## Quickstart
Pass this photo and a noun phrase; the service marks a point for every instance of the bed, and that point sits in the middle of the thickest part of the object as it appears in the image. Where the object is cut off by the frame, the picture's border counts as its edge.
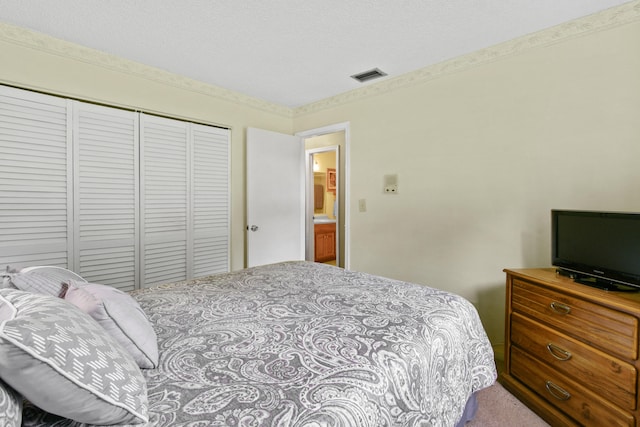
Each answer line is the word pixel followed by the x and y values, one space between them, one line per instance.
pixel 306 344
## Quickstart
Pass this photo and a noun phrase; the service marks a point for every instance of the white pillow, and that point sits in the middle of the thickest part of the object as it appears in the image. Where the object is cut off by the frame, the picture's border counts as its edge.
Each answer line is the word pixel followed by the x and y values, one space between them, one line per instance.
pixel 10 407
pixel 62 361
pixel 120 315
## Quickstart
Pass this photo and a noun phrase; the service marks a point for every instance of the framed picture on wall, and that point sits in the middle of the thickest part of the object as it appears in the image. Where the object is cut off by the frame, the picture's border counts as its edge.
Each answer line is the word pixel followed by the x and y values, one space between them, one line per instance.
pixel 331 180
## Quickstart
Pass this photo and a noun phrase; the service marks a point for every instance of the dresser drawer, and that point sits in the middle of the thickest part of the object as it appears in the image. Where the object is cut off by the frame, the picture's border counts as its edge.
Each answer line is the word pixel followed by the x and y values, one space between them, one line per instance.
pixel 569 356
pixel 610 330
pixel 586 407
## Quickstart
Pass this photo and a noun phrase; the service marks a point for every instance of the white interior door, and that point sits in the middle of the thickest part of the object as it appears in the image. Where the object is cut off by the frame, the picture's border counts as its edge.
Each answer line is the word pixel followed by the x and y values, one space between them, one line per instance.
pixel 275 197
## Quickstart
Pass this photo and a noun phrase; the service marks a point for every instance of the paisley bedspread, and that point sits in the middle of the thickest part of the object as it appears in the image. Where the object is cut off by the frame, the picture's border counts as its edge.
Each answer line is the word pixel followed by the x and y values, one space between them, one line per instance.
pixel 306 344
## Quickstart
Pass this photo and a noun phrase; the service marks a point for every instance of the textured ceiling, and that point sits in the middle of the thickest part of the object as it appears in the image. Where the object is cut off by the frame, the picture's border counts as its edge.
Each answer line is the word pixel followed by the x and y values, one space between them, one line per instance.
pixel 291 52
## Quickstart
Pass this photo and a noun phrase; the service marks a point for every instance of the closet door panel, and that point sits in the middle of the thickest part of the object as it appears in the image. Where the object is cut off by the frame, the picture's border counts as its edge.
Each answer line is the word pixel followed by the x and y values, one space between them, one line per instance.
pixel 122 198
pixel 35 191
pixel 106 202
pixel 165 200
pixel 211 223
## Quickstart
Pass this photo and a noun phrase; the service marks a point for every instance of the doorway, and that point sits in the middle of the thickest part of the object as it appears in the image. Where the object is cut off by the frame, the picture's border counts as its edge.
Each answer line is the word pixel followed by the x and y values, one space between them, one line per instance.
pixel 322 242
pixel 292 227
pixel 320 142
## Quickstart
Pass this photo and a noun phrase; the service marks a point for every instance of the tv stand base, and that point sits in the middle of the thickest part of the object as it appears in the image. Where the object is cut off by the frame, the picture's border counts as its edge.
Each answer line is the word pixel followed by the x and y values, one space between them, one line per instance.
pixel 595 282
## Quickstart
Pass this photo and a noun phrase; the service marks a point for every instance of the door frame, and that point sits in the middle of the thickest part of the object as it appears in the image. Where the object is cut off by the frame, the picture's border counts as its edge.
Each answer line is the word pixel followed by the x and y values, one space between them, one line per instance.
pixel 343 225
pixel 310 247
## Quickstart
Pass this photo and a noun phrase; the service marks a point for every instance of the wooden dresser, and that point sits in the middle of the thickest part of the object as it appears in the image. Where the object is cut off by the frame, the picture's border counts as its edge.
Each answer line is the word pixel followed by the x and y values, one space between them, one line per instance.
pixel 571 351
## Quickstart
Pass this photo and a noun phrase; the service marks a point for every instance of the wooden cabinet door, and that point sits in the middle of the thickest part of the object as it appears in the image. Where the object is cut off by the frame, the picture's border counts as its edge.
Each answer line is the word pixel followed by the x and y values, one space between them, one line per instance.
pixel 325 242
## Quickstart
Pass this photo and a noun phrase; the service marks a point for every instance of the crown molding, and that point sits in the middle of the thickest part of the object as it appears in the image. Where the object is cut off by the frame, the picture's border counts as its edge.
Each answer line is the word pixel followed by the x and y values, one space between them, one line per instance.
pixel 35 40
pixel 616 16
pixel 612 17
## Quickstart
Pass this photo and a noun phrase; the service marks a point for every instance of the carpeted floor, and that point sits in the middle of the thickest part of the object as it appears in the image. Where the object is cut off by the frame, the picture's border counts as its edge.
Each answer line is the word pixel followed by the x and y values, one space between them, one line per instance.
pixel 499 408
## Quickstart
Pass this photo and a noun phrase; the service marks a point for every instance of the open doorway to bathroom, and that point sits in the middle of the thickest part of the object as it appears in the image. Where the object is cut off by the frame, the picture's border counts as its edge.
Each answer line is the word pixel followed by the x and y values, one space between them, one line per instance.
pixel 325 241
pixel 325 199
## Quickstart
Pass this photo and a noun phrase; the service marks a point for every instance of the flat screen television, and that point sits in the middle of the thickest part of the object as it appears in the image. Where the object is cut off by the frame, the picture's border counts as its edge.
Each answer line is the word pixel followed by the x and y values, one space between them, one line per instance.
pixel 600 249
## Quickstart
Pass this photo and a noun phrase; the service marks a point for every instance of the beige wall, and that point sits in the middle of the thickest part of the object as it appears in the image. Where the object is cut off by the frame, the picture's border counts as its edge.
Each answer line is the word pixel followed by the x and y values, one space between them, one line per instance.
pixel 483 154
pixel 33 61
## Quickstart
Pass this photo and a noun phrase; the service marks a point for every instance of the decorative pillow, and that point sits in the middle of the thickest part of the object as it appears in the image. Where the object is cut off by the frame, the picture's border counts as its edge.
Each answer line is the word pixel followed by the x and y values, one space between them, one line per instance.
pixel 120 315
pixel 62 361
pixel 10 406
pixel 37 283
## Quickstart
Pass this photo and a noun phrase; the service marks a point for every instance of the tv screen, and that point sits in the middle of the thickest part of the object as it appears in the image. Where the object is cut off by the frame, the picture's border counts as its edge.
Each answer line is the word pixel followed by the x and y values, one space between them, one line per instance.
pixel 597 248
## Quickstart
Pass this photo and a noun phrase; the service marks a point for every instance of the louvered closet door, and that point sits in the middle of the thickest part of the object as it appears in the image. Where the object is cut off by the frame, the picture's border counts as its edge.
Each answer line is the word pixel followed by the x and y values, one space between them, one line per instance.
pixel 106 202
pixel 35 198
pixel 165 200
pixel 211 226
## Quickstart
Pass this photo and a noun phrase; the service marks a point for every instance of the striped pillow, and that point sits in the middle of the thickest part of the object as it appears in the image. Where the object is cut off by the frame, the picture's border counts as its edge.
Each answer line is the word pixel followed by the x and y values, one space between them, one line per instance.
pixel 37 283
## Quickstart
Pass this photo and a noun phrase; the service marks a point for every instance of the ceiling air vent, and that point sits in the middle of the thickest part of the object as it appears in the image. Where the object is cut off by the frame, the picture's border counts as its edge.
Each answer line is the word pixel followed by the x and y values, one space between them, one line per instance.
pixel 369 75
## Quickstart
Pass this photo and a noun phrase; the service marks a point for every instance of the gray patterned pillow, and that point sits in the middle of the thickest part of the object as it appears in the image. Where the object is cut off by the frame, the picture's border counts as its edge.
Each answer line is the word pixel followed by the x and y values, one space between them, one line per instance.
pixel 120 315
pixel 10 407
pixel 62 361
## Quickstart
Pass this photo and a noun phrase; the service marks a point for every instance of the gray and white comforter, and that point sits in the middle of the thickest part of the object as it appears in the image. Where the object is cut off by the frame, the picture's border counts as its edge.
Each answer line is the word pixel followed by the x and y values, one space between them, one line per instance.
pixel 305 344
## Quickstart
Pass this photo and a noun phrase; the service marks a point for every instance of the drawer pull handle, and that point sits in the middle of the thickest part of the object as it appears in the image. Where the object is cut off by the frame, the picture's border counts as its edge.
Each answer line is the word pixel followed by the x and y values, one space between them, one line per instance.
pixel 560 308
pixel 557 391
pixel 558 352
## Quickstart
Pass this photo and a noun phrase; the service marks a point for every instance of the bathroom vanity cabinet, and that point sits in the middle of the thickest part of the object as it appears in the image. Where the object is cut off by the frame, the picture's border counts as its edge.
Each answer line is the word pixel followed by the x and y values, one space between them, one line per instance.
pixel 325 242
